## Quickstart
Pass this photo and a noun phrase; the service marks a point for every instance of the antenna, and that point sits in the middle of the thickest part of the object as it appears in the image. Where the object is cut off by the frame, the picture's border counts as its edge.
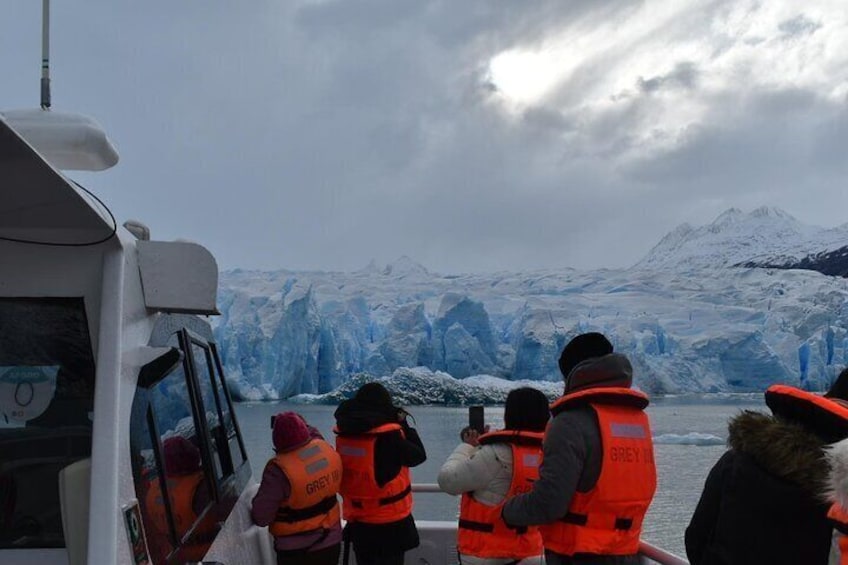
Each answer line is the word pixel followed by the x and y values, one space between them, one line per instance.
pixel 45 55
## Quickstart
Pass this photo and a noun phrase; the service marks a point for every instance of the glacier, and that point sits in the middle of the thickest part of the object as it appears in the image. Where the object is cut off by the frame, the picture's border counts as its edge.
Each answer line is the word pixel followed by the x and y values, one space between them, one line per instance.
pixel 688 318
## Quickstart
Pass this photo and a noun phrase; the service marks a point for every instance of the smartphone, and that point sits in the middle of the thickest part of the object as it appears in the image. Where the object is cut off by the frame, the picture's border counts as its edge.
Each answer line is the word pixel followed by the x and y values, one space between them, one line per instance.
pixel 475 418
pixel 272 421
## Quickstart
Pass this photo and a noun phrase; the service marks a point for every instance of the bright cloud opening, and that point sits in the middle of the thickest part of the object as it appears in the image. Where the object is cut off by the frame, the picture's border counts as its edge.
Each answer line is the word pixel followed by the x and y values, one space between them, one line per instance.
pixel 525 77
pixel 658 69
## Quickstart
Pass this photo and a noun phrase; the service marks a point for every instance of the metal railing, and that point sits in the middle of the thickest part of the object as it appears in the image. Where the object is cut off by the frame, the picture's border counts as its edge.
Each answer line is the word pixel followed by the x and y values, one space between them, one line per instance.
pixel 647 551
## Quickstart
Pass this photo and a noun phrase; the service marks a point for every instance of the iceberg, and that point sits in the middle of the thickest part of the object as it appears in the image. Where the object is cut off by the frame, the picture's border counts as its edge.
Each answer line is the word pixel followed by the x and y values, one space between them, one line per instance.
pixel 691 438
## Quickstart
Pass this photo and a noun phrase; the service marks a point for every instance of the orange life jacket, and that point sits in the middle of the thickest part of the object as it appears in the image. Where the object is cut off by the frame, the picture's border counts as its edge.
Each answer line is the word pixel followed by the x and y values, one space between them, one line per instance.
pixel 181 490
pixel 363 500
pixel 823 416
pixel 839 517
pixel 607 520
pixel 482 532
pixel 315 474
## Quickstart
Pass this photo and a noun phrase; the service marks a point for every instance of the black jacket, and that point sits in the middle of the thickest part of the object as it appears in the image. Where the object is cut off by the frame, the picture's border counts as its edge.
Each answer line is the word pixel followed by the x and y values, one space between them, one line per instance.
pixel 761 501
pixel 391 452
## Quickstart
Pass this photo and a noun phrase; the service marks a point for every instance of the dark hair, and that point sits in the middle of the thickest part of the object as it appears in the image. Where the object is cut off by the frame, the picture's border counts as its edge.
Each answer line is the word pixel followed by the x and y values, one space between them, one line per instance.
pixel 526 409
pixel 839 388
pixel 375 395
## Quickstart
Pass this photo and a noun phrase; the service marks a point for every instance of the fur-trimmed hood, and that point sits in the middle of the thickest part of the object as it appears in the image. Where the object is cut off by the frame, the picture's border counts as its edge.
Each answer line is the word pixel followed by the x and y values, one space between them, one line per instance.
pixel 784 449
pixel 837 483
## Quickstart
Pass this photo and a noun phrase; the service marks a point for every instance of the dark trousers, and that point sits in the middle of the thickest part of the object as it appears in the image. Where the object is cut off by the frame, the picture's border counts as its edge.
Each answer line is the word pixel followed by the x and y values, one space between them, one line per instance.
pixel 378 559
pixel 553 558
pixel 326 556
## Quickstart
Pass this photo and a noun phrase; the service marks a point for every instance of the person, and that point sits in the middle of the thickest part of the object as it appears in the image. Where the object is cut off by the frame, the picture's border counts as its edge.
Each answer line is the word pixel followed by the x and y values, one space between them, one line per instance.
pixel 762 500
pixel 839 389
pixel 836 496
pixel 487 469
pixel 836 493
pixel 188 497
pixel 377 447
pixel 598 476
pixel 297 495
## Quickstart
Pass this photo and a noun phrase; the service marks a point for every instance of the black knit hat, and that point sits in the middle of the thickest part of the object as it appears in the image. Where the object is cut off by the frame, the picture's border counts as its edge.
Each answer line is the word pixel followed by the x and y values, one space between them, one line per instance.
pixel 839 389
pixel 583 347
pixel 375 395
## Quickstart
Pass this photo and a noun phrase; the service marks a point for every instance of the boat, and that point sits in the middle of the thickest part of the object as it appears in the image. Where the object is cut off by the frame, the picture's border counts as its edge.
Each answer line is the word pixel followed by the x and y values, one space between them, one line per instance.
pixel 107 359
pixel 118 436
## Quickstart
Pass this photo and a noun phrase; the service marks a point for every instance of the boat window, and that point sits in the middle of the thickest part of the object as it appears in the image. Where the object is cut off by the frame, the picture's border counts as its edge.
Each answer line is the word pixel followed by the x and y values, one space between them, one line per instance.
pixel 237 452
pixel 218 447
pixel 175 493
pixel 186 485
pixel 186 448
pixel 46 402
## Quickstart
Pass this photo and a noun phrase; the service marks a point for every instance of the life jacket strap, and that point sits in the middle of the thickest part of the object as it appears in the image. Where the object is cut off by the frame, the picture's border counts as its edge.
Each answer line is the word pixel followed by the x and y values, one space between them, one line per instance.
pixel 396 497
pixel 476 526
pixel 487 528
pixel 583 519
pixel 291 515
pixel 386 500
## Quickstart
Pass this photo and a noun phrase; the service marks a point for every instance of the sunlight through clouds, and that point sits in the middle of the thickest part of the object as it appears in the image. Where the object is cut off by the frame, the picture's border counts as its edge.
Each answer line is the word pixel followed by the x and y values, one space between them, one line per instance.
pixel 660 71
pixel 525 77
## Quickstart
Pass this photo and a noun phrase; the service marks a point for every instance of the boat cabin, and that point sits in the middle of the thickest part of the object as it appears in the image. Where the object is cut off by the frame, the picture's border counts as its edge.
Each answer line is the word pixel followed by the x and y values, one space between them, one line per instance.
pixel 113 404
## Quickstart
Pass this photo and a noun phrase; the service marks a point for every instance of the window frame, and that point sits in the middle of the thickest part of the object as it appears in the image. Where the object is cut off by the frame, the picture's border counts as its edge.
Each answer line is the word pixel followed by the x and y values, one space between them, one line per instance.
pixel 235 475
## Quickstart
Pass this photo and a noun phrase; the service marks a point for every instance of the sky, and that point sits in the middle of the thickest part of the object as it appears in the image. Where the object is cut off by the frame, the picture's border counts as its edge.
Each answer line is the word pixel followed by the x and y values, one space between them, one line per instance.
pixel 470 136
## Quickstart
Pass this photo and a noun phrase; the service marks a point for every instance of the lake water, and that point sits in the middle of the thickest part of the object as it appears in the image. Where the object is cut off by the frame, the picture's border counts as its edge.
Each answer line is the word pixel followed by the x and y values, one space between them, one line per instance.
pixel 682 469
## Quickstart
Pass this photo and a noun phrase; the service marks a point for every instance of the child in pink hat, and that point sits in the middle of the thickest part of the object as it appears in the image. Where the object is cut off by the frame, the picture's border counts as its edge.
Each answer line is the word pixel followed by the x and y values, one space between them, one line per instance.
pixel 298 446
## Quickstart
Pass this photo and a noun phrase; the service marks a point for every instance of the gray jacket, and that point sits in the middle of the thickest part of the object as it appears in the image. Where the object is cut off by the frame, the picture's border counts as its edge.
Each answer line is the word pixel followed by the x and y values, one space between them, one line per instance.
pixel 572 463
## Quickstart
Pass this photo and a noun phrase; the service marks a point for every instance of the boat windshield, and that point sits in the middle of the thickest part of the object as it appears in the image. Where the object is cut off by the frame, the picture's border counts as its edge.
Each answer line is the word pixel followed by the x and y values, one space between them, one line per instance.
pixel 46 403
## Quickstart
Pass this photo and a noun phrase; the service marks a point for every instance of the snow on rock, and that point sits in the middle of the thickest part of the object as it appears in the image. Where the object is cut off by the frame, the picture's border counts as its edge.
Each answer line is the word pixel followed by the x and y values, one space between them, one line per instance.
pixel 420 385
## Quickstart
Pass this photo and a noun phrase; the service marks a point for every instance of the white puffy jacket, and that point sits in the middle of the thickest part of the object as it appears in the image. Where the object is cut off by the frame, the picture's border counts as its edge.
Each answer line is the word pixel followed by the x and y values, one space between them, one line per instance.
pixel 837 488
pixel 485 472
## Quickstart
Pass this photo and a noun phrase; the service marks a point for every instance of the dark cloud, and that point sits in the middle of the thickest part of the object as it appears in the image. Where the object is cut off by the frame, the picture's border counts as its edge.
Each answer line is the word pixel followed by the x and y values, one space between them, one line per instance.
pixel 321 134
pixel 684 75
pixel 799 25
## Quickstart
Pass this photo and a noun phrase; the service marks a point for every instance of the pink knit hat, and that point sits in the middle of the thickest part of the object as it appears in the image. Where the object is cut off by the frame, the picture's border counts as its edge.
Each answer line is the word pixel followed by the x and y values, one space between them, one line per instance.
pixel 181 456
pixel 290 431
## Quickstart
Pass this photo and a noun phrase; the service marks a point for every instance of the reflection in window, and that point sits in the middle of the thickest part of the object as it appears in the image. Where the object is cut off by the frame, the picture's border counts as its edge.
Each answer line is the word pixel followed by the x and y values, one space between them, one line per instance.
pixel 210 405
pixel 236 451
pixel 46 399
pixel 187 490
pixel 184 441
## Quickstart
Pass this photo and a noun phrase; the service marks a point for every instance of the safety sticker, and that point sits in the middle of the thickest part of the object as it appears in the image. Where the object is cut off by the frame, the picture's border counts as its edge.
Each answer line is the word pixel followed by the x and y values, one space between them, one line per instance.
pixel 135 533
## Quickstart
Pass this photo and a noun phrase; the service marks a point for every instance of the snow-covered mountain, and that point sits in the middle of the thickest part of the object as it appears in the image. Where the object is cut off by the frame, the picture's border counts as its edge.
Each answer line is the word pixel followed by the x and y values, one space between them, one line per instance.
pixel 766 237
pixel 686 317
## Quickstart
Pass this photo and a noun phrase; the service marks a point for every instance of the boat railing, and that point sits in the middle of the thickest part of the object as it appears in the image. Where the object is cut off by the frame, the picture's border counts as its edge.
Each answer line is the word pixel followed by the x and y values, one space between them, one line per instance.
pixel 650 554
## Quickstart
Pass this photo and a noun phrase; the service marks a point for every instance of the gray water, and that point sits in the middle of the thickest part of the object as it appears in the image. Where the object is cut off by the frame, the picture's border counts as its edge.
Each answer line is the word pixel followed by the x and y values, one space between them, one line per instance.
pixel 681 469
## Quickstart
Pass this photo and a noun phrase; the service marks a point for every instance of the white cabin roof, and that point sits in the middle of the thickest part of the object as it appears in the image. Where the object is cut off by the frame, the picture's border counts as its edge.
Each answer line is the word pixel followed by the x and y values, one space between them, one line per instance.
pixel 38 203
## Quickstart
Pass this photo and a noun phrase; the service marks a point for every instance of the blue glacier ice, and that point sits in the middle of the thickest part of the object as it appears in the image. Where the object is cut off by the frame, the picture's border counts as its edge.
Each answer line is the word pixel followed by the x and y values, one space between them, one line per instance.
pixel 702 326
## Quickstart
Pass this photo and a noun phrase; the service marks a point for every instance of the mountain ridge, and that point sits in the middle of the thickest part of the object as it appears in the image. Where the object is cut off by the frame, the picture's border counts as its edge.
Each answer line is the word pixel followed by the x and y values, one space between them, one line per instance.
pixel 765 237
